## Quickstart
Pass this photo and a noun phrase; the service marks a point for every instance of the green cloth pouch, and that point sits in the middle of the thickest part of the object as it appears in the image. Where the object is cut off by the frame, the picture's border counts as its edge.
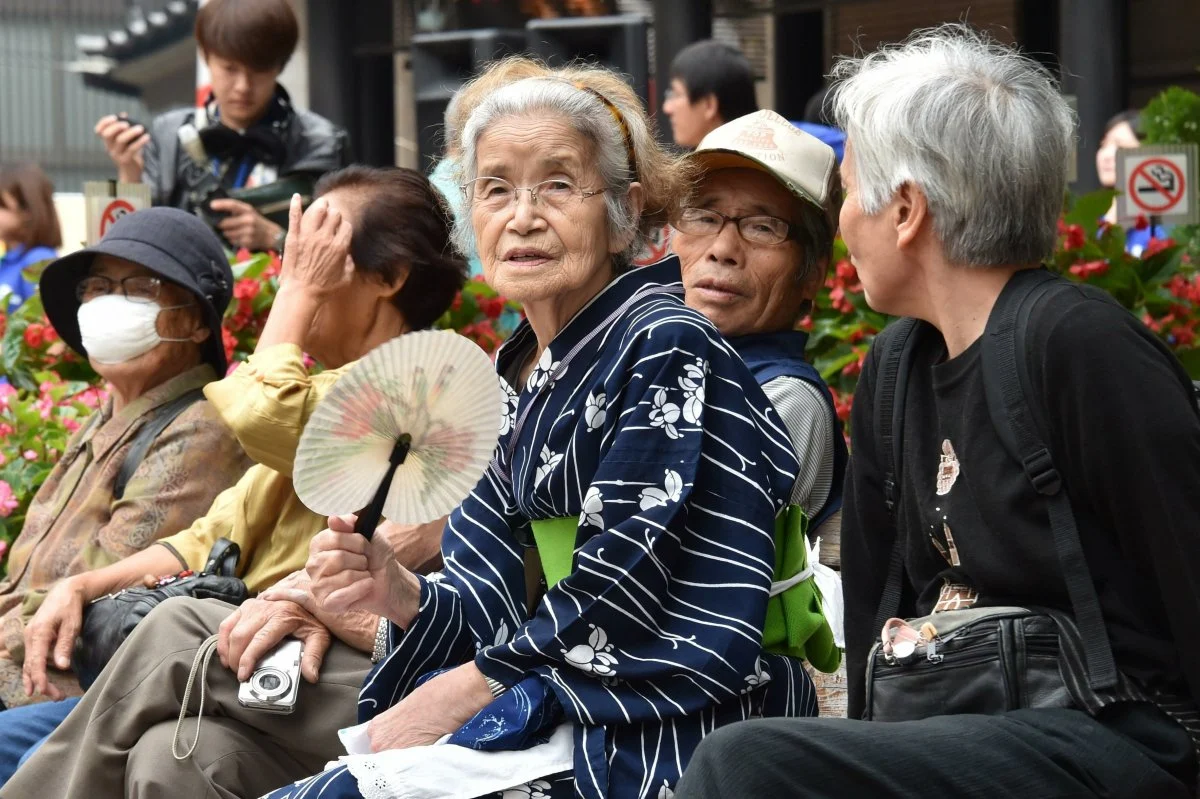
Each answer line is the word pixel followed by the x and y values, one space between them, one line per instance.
pixel 795 625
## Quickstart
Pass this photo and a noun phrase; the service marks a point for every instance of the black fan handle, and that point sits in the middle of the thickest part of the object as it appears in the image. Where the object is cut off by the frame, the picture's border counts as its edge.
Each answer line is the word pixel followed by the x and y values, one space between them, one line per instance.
pixel 368 519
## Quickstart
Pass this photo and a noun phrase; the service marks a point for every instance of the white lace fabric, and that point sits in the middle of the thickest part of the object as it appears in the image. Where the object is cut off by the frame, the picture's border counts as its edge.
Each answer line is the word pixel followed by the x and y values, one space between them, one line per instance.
pixel 446 771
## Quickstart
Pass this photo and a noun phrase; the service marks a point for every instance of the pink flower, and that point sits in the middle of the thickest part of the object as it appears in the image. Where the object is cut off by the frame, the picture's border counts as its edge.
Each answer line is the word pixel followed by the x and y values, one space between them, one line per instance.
pixel 29 455
pixel 91 397
pixel 3 460
pixel 8 501
pixel 69 423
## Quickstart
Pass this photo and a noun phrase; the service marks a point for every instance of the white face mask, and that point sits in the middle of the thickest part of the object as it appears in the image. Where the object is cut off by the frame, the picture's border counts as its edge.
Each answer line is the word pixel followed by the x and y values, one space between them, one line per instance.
pixel 115 329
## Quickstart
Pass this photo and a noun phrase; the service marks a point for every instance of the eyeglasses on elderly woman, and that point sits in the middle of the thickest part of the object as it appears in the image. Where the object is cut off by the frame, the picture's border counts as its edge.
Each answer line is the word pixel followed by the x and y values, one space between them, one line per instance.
pixel 138 288
pixel 496 194
pixel 758 229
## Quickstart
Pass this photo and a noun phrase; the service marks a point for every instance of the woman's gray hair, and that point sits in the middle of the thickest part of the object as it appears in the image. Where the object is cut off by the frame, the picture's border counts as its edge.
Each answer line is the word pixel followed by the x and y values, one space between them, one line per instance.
pixel 981 129
pixel 589 117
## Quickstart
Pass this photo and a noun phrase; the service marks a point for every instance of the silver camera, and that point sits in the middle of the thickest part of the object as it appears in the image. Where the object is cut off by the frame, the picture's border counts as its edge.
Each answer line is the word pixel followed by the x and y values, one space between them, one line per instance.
pixel 275 681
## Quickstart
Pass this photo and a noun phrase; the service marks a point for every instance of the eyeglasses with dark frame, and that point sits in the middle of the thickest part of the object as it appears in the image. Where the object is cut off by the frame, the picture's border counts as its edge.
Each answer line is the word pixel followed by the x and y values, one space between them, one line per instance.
pixel 138 288
pixel 758 229
pixel 496 194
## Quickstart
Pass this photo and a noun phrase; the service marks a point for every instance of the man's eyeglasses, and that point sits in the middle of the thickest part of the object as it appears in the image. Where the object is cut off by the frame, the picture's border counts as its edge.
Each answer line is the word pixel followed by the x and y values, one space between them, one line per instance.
pixel 497 194
pixel 138 288
pixel 765 230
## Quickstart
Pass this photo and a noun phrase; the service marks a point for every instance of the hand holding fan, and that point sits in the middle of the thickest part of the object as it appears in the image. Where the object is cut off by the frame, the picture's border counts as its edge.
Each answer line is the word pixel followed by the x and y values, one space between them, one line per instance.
pixel 405 433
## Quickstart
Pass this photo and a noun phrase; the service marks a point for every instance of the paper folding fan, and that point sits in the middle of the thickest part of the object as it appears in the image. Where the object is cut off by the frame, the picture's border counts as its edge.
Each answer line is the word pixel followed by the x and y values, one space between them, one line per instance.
pixel 405 433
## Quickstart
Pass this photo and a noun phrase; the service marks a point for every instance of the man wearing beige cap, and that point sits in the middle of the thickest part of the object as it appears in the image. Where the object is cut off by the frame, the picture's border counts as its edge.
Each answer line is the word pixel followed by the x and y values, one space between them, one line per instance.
pixel 754 245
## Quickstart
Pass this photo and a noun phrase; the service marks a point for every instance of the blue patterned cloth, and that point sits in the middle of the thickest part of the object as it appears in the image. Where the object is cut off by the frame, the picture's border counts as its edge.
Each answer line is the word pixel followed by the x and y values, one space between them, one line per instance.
pixel 643 422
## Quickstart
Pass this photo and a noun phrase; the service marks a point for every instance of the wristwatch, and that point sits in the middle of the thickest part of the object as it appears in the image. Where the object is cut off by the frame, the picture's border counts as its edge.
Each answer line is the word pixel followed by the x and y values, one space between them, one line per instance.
pixel 381 640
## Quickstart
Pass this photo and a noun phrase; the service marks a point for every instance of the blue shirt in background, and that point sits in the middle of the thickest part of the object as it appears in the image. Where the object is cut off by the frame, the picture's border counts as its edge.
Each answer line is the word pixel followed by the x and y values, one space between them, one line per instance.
pixel 14 288
pixel 831 136
pixel 1136 240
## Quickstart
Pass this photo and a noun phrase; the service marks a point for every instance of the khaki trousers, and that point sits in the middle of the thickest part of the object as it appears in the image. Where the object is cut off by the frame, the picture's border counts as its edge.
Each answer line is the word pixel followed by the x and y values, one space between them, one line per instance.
pixel 117 742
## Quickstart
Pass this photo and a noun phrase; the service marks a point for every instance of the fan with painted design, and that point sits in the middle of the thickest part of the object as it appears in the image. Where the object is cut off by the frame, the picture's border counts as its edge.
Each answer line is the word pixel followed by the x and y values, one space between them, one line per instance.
pixel 404 434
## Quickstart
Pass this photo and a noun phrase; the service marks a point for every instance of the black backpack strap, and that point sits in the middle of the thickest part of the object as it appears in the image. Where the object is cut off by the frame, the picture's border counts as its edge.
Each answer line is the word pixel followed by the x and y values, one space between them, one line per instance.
pixel 145 436
pixel 897 344
pixel 1008 389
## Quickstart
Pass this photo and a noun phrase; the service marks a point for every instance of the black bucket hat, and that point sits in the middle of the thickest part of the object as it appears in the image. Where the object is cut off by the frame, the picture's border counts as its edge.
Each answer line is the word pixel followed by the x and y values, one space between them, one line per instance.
pixel 171 243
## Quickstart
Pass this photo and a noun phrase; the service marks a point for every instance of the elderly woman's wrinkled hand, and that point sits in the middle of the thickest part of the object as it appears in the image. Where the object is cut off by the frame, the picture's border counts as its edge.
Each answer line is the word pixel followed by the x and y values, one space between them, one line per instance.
pixel 316 252
pixel 258 625
pixel 438 707
pixel 348 572
pixel 52 631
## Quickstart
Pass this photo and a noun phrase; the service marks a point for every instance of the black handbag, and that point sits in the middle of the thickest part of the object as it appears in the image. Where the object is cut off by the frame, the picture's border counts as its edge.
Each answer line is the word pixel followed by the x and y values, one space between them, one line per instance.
pixel 989 660
pixel 980 660
pixel 109 620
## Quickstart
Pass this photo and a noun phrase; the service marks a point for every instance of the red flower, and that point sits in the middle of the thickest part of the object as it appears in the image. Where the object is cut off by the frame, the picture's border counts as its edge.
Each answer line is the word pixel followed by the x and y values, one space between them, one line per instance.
pixel 845 270
pixel 246 289
pixel 35 335
pixel 457 303
pixel 230 342
pixel 1141 223
pixel 837 298
pixel 1156 246
pixel 492 308
pixel 1184 336
pixel 1089 269
pixel 1074 238
pixel 842 403
pixel 854 368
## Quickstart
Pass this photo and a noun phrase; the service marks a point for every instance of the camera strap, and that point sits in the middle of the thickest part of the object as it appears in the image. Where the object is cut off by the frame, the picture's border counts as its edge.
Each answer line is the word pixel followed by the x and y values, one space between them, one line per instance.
pixel 199 663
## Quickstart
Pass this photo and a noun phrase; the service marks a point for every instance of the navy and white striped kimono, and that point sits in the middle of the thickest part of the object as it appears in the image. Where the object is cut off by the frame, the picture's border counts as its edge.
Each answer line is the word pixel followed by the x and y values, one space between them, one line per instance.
pixel 641 421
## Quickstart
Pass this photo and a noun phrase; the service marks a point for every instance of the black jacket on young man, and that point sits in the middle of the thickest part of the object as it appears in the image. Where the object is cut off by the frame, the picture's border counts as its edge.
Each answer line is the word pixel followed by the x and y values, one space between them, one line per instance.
pixel 1126 439
pixel 293 142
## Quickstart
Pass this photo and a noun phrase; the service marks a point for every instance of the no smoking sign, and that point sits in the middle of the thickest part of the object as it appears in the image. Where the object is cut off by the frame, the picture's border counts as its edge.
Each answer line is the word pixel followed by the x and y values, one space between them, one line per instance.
pixel 115 210
pixel 1159 182
pixel 106 201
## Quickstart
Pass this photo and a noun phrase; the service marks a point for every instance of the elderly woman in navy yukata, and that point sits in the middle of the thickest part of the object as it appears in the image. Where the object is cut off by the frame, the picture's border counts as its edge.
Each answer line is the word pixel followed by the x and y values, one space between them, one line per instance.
pixel 638 478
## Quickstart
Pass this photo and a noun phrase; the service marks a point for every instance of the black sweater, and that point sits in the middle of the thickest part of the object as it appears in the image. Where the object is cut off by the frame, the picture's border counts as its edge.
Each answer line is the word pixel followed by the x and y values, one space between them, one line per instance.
pixel 1126 441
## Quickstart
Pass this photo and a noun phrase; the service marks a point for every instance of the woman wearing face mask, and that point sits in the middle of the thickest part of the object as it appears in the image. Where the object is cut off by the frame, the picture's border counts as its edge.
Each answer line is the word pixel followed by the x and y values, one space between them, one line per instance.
pixel 28 228
pixel 144 306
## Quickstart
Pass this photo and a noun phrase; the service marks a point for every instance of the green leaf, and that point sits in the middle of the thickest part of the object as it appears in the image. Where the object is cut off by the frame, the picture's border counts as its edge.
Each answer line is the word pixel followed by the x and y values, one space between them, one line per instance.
pixel 12 345
pixel 33 272
pixel 1190 359
pixel 252 267
pixel 1162 266
pixel 1088 209
pixel 833 368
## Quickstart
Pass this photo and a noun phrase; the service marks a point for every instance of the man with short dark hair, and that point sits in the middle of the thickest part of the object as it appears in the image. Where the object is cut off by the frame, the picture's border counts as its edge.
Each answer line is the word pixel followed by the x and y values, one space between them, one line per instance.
pixel 711 84
pixel 247 134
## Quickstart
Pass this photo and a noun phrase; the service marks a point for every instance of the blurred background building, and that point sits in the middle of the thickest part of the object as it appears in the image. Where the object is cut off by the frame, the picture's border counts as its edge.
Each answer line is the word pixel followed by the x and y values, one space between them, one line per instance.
pixel 383 68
